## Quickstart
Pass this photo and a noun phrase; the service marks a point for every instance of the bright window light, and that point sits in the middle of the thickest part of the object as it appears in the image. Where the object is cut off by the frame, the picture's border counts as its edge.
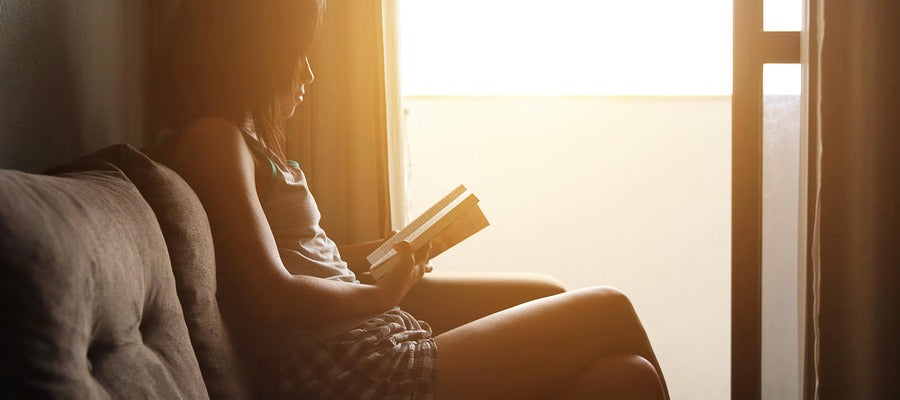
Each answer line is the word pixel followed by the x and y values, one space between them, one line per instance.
pixel 566 47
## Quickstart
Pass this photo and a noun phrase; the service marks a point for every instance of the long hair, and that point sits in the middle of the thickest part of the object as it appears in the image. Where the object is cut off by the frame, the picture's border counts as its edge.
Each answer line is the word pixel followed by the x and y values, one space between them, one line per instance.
pixel 236 59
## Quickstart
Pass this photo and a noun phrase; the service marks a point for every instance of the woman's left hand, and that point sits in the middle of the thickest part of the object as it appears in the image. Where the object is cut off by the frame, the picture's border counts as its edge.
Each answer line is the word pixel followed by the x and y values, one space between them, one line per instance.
pixel 355 254
pixel 405 274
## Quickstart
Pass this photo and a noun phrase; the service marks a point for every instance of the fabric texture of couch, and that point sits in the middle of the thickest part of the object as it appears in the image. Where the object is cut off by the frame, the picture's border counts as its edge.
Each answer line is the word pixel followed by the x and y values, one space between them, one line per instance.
pixel 88 302
pixel 108 287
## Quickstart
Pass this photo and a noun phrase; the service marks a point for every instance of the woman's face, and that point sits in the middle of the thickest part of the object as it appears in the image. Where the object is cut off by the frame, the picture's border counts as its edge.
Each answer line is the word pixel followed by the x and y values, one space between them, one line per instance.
pixel 305 77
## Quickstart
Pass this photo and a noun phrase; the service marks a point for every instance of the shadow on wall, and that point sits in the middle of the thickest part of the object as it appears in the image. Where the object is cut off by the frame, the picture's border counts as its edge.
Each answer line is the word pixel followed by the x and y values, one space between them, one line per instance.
pixel 71 79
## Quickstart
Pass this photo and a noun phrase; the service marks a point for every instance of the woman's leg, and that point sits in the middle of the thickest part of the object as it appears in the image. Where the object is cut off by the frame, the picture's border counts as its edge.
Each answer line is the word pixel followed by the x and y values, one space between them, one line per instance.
pixel 617 377
pixel 472 296
pixel 539 349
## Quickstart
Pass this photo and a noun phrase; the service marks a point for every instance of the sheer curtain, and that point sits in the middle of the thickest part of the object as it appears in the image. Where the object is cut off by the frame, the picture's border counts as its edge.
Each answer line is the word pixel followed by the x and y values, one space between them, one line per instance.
pixel 854 324
pixel 341 133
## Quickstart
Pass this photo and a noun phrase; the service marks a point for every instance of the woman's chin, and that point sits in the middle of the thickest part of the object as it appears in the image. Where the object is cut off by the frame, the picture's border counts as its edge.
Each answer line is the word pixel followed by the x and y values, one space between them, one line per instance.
pixel 290 113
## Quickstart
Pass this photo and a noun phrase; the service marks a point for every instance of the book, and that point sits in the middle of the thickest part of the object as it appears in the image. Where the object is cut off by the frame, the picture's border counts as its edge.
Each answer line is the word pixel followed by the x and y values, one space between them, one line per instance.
pixel 451 220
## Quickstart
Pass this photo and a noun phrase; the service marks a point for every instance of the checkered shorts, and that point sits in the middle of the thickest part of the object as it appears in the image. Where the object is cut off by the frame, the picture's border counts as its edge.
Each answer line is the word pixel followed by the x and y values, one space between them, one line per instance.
pixel 391 356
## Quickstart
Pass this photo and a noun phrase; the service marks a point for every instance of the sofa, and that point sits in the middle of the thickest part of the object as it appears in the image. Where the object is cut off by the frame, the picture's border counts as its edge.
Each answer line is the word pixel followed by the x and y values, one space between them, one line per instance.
pixel 108 288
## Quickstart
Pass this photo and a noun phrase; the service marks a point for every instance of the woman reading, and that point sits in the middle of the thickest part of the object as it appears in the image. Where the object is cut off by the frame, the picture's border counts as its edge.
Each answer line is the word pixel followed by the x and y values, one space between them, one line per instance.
pixel 236 70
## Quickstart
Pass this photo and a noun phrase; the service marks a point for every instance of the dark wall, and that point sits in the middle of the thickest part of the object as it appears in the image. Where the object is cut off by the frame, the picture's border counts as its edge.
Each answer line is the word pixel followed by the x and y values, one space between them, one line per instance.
pixel 71 79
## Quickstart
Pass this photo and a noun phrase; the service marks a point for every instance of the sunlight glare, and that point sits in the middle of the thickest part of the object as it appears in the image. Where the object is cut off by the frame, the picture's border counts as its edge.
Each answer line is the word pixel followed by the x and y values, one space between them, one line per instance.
pixel 566 47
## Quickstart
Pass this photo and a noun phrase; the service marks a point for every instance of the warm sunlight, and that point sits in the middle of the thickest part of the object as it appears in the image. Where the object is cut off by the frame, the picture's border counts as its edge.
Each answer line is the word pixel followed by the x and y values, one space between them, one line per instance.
pixel 566 47
pixel 597 135
pixel 532 105
pixel 450 199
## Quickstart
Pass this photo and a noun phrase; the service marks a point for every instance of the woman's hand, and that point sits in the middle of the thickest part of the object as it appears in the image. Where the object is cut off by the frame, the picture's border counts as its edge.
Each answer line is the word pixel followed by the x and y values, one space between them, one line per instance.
pixel 355 254
pixel 405 274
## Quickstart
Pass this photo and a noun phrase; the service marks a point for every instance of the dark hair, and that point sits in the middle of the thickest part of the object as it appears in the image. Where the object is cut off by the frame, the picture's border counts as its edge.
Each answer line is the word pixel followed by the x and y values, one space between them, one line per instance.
pixel 235 59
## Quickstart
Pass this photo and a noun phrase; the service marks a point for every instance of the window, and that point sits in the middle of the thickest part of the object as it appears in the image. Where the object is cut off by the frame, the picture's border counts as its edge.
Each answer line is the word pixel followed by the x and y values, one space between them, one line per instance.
pixel 597 136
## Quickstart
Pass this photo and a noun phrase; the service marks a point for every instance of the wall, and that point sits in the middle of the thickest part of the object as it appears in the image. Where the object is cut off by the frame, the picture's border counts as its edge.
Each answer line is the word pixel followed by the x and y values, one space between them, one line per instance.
pixel 71 79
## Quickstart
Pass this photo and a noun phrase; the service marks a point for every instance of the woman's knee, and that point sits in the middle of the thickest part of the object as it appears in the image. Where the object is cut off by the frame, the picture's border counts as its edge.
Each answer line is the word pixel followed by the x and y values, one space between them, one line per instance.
pixel 606 299
pixel 618 376
pixel 639 370
pixel 638 377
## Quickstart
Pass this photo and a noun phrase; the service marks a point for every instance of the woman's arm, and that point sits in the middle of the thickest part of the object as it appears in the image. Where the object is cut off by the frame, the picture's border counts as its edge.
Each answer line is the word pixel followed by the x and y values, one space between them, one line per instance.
pixel 213 158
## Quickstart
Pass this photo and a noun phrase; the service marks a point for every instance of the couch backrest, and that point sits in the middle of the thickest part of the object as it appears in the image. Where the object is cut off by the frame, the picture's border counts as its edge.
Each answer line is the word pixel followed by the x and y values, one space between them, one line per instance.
pixel 88 300
pixel 189 242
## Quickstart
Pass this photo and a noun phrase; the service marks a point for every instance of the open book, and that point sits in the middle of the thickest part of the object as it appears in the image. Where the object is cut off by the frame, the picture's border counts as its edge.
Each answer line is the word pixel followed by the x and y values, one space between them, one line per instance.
pixel 448 222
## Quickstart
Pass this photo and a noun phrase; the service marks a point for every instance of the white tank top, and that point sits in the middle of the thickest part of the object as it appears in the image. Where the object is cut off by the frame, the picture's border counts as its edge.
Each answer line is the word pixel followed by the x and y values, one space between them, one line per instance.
pixel 294 217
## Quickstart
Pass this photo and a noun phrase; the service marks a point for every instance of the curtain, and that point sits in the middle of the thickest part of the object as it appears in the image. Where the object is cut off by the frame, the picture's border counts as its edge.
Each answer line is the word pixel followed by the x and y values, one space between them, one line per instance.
pixel 340 133
pixel 855 250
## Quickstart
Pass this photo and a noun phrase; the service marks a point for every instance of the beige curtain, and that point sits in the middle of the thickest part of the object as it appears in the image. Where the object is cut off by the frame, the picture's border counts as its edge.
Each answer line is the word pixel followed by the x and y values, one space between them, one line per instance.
pixel 855 320
pixel 340 133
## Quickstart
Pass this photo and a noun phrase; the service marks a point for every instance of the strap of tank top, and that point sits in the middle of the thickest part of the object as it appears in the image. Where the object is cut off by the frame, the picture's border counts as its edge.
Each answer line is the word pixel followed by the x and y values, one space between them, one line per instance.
pixel 257 148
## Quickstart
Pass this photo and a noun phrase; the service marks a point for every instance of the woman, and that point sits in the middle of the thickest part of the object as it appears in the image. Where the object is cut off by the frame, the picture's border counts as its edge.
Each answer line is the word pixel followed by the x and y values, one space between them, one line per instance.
pixel 236 70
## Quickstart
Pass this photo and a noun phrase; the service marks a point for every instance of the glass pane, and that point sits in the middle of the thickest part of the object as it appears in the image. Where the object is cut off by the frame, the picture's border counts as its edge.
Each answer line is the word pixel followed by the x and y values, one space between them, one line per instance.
pixel 782 15
pixel 781 236
pixel 525 107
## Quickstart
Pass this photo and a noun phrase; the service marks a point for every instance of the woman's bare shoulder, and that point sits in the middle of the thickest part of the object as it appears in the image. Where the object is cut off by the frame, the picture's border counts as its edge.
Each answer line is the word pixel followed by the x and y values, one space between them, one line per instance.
pixel 210 137
pixel 212 129
pixel 210 149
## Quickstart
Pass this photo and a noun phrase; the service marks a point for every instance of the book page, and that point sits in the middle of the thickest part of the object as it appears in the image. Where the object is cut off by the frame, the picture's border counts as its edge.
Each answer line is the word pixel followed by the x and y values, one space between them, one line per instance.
pixel 443 227
pixel 404 233
pixel 472 221
pixel 442 219
pixel 436 223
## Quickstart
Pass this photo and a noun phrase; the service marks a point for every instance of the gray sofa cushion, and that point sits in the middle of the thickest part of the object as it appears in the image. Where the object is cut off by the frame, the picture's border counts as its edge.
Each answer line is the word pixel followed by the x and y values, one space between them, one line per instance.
pixel 87 297
pixel 189 242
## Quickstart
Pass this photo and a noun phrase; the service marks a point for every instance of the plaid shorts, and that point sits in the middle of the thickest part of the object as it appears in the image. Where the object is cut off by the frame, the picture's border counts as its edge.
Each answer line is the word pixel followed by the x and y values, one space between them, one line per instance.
pixel 391 356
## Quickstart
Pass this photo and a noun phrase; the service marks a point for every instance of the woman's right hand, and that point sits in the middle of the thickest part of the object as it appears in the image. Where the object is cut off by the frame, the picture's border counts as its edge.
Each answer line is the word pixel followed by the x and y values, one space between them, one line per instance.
pixel 412 266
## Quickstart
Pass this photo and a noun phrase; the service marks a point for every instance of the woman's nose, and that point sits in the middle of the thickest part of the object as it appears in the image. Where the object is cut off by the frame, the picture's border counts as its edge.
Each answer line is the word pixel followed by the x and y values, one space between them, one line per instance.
pixel 307 73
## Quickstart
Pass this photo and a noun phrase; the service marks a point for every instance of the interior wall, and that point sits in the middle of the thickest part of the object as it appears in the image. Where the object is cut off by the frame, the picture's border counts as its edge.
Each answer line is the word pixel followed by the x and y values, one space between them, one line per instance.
pixel 71 79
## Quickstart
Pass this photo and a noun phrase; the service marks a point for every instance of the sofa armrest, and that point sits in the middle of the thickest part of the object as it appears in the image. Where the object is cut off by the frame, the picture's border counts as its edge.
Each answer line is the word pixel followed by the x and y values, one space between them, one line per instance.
pixel 449 299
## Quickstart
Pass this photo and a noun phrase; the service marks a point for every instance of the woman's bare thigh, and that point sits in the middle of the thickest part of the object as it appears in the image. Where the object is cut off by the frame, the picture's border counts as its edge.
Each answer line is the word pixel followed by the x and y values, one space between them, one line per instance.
pixel 535 349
